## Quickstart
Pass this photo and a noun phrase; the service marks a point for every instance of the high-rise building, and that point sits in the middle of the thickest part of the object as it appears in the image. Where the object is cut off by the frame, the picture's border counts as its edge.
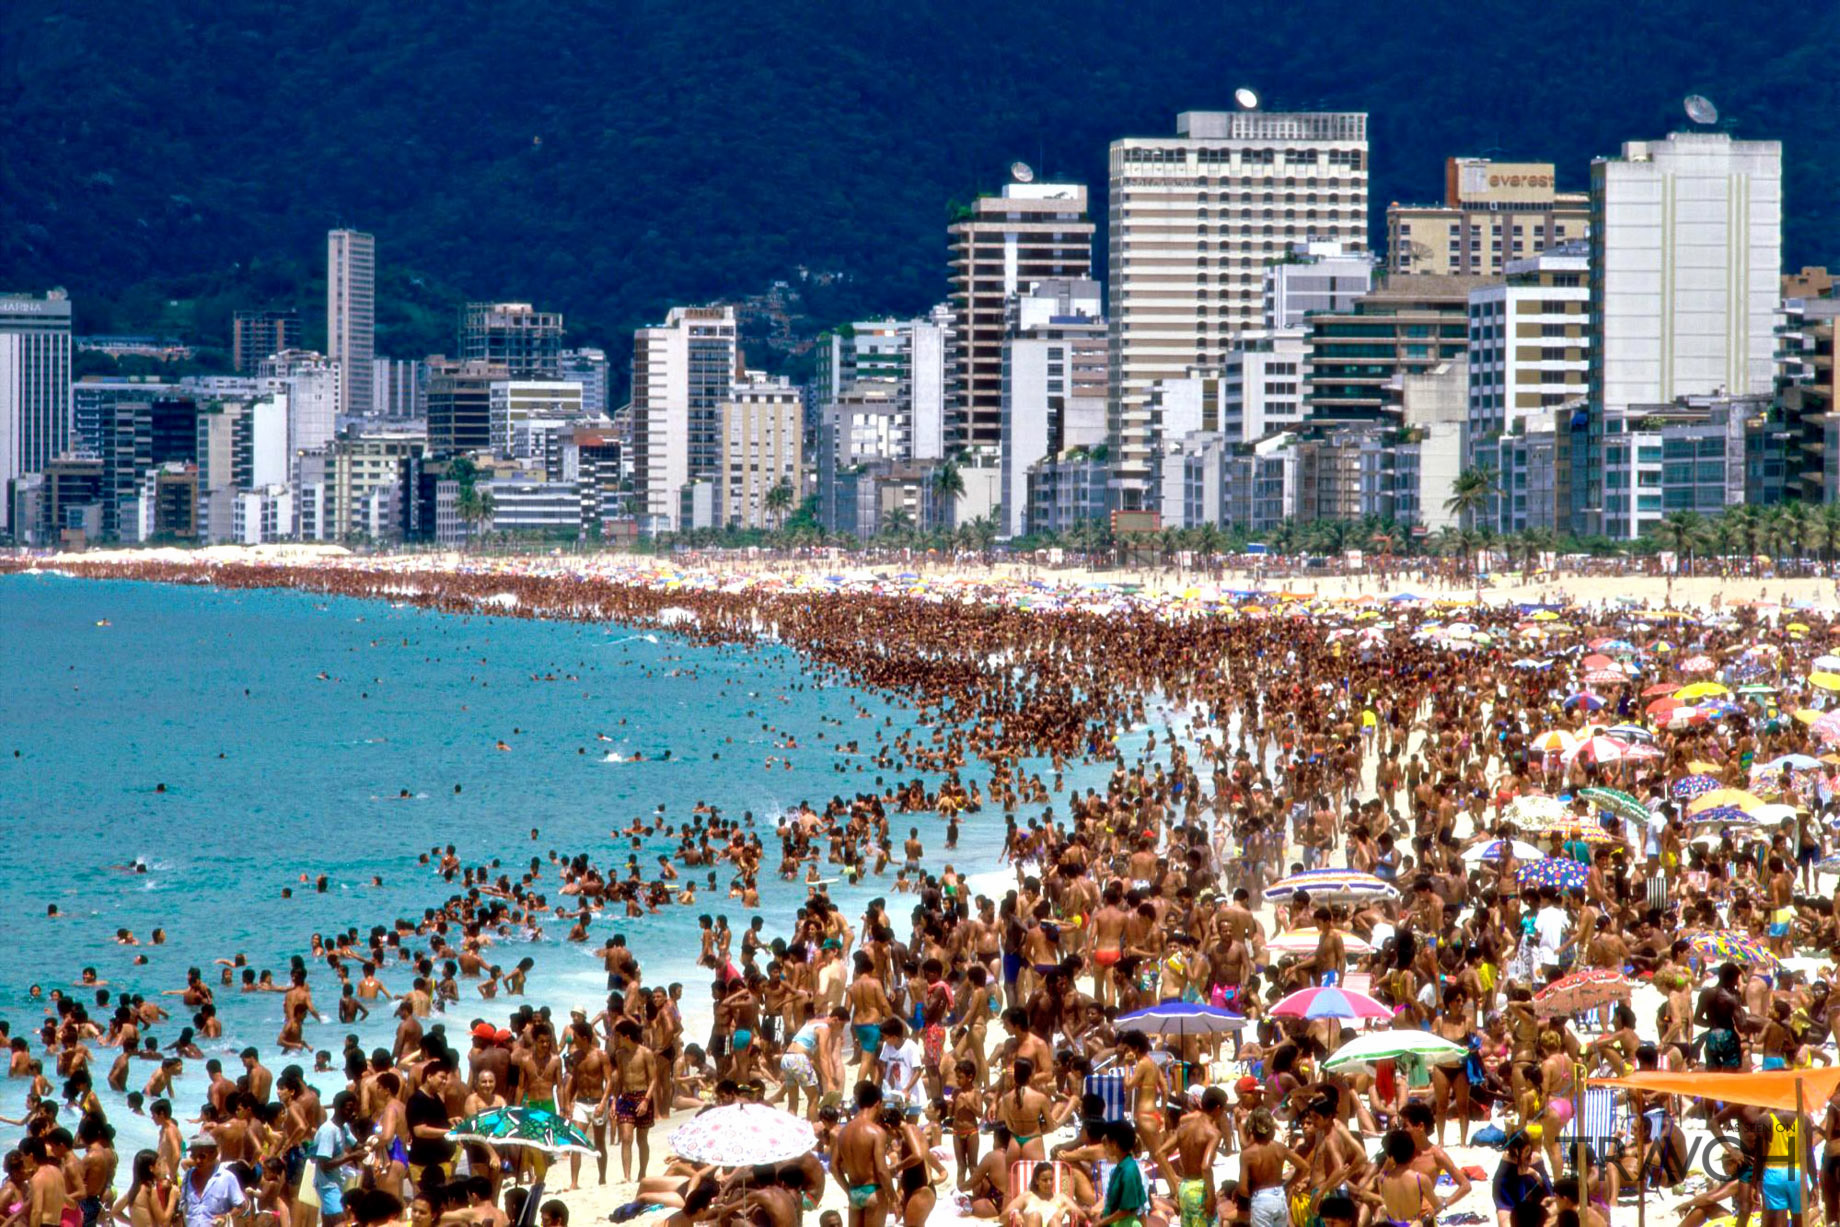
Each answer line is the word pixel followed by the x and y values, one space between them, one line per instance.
pixel 1194 221
pixel 905 361
pixel 1054 385
pixel 460 405
pixel 351 314
pixel 1314 277
pixel 34 387
pixel 588 367
pixel 399 388
pixel 763 445
pixel 1685 268
pixel 525 412
pixel 1408 324
pixel 1493 213
pixel 311 384
pixel 257 334
pixel 683 370
pixel 1528 342
pixel 1001 245
pixel 515 335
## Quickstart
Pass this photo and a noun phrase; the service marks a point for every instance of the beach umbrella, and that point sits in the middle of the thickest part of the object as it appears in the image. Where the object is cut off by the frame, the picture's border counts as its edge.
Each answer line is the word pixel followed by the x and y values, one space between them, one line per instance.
pixel 1365 1051
pixel 1828 662
pixel 1698 664
pixel 1303 941
pixel 1534 810
pixel 1553 741
pixel 1662 688
pixel 1730 945
pixel 1796 762
pixel 1738 797
pixel 1689 786
pixel 1826 726
pixel 1768 815
pixel 1580 991
pixel 1629 732
pixel 1824 680
pixel 1560 873
pixel 1757 689
pixel 1700 690
pixel 743 1135
pixel 1681 717
pixel 1341 884
pixel 1597 660
pixel 1181 1018
pixel 1723 815
pixel 1598 750
pixel 1329 1002
pixel 1616 801
pixel 1495 849
pixel 533 1127
pixel 1584 699
pixel 1664 708
pixel 1605 677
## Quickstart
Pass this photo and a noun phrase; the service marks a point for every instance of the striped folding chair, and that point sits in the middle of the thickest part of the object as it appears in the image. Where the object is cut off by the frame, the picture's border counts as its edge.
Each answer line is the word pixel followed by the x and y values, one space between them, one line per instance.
pixel 1022 1172
pixel 1110 1088
pixel 1597 1123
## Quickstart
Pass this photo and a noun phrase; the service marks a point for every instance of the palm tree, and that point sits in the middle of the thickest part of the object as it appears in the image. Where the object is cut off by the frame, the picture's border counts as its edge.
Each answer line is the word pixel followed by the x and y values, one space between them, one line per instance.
pixel 1682 532
pixel 897 525
pixel 948 488
pixel 474 507
pixel 779 502
pixel 1470 493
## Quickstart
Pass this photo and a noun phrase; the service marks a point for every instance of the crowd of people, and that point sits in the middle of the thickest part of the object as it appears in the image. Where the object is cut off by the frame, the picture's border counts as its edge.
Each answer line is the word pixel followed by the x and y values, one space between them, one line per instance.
pixel 963 1054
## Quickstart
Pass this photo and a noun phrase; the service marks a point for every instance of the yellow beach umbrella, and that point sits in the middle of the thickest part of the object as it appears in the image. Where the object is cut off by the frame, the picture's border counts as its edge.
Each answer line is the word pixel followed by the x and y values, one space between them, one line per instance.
pixel 1746 801
pixel 1701 767
pixel 1545 615
pixel 1825 681
pixel 1807 715
pixel 1703 690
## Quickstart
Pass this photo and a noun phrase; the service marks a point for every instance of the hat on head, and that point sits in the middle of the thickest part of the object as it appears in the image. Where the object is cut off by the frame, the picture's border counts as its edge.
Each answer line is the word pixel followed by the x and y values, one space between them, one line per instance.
pixel 202 1141
pixel 1246 1085
pixel 486 1032
pixel 503 1036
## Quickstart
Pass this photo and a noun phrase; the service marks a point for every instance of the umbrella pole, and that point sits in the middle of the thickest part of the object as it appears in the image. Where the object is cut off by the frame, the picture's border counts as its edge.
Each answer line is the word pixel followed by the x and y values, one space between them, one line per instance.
pixel 1578 1129
pixel 1802 1173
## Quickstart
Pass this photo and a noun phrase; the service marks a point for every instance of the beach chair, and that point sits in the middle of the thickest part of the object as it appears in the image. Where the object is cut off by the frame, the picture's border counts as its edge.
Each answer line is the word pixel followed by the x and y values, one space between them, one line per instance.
pixel 1598 1123
pixel 1110 1088
pixel 1022 1171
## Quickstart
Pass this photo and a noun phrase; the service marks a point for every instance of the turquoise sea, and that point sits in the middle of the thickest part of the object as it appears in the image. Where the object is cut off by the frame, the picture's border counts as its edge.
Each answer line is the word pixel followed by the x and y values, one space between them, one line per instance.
pixel 273 771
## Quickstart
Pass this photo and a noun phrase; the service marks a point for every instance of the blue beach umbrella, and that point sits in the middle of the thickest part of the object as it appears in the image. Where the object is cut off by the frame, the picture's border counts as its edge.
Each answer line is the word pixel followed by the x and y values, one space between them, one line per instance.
pixel 1560 873
pixel 1181 1018
pixel 1332 884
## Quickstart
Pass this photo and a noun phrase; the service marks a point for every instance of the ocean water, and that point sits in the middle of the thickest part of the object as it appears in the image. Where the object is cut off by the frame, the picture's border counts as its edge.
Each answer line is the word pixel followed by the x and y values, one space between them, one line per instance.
pixel 284 726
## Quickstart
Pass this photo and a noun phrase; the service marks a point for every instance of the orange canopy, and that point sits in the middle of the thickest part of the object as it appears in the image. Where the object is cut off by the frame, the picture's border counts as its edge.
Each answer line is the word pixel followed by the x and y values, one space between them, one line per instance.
pixel 1775 1089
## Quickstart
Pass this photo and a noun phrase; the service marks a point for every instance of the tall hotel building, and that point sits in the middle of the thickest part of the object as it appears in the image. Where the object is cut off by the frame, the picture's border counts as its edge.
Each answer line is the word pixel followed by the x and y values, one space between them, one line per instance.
pixel 1194 221
pixel 1003 245
pixel 351 319
pixel 35 405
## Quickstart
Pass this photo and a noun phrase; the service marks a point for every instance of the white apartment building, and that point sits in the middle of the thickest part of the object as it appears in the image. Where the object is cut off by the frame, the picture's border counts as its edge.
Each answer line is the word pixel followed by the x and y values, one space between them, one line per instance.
pixel 1194 221
pixel 522 411
pixel 1528 342
pixel 1321 276
pixel 35 404
pixel 1686 263
pixel 1262 385
pixel 763 444
pixel 909 358
pixel 1054 386
pixel 351 314
pixel 683 370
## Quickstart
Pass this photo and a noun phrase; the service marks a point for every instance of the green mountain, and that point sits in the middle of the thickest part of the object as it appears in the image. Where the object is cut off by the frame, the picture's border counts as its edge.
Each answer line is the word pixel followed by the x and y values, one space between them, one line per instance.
pixel 169 163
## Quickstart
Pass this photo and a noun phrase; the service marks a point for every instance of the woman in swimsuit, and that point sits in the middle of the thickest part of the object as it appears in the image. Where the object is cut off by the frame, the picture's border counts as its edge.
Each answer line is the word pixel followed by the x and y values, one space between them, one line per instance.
pixel 913 1166
pixel 1025 1111
pixel 1450 1086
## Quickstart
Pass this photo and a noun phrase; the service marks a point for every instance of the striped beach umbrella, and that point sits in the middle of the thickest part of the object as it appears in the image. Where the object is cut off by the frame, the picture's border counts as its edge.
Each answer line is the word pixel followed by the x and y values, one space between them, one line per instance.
pixel 1330 1002
pixel 1826 727
pixel 1616 801
pixel 1339 884
pixel 1598 750
pixel 1304 941
pixel 1181 1018
pixel 1558 873
pixel 1584 699
pixel 1365 1051
pixel 1582 990
pixel 743 1135
pixel 1495 849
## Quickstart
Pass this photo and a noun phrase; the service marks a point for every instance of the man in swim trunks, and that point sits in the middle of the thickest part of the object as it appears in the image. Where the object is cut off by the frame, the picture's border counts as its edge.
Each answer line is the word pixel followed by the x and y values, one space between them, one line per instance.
pixel 585 1089
pixel 1108 942
pixel 1197 1143
pixel 860 1159
pixel 869 1008
pixel 633 1110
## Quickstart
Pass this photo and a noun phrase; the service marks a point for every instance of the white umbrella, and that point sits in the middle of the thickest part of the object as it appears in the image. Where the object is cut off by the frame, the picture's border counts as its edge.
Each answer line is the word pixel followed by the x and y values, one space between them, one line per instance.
pixel 743 1135
pixel 1364 1051
pixel 1491 851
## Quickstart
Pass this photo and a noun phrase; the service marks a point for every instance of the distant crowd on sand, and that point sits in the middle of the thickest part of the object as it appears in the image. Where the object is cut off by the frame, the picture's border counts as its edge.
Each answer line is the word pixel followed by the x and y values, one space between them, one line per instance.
pixel 947 1045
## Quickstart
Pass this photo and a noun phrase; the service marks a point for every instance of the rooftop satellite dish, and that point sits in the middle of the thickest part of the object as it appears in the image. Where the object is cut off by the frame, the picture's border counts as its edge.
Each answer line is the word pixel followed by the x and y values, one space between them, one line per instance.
pixel 1022 172
pixel 1700 109
pixel 1247 99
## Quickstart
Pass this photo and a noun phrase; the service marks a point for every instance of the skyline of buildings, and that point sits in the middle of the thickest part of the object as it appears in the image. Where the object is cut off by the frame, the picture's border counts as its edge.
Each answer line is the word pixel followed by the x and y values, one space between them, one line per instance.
pixel 1246 352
